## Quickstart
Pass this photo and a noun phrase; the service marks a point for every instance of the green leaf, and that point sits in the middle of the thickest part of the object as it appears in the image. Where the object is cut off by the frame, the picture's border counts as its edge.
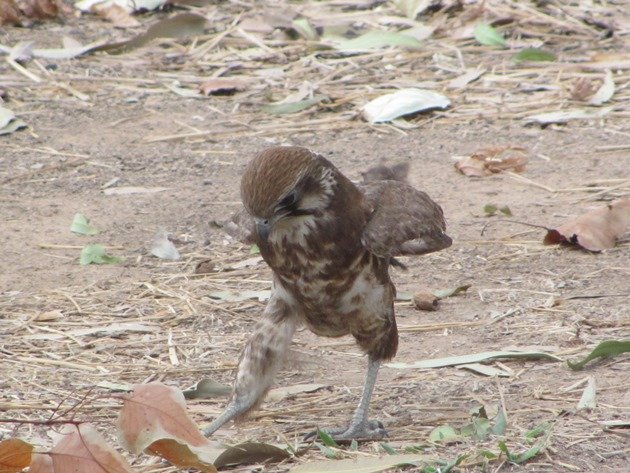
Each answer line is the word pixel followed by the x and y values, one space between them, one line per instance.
pixel 354 445
pixel 603 350
pixel 451 291
pixel 478 429
pixel 293 107
pixel 376 40
pixel 528 454
pixel 95 254
pixel 388 448
pixel 254 250
pixel 500 423
pixel 327 439
pixel 444 433
pixel 534 54
pixel 305 29
pixel 488 36
pixel 327 451
pixel 537 431
pixel 446 467
pixel 491 209
pixel 488 454
pixel 81 225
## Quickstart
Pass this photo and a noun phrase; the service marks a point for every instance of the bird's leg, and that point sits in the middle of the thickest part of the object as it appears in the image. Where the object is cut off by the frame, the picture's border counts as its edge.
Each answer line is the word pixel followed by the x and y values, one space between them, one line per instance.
pixel 259 362
pixel 360 427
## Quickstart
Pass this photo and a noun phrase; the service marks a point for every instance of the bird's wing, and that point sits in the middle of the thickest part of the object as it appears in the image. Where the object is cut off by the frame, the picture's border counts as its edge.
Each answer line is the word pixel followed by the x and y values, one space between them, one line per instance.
pixel 402 220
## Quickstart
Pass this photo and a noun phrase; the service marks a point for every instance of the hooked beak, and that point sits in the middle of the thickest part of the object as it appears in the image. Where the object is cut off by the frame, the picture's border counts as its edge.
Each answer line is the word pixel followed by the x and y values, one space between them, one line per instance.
pixel 262 228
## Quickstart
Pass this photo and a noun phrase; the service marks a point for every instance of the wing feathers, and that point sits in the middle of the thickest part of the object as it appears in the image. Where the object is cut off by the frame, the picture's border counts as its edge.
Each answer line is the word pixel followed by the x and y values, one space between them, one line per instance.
pixel 403 221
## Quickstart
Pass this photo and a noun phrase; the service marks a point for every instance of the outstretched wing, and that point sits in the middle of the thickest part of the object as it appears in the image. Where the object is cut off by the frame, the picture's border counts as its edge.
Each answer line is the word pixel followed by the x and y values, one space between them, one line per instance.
pixel 403 221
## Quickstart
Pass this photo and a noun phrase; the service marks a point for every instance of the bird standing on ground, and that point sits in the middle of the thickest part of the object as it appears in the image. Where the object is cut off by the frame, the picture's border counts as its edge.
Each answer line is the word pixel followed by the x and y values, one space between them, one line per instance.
pixel 329 245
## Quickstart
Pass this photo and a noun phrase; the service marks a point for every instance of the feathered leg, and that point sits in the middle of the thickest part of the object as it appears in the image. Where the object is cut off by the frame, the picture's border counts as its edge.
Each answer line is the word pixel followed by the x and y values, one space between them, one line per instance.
pixel 259 362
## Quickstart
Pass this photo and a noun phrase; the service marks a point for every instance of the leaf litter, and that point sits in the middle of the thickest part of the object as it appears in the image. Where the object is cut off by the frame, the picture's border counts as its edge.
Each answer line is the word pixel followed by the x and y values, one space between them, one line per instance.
pixel 596 230
pixel 347 98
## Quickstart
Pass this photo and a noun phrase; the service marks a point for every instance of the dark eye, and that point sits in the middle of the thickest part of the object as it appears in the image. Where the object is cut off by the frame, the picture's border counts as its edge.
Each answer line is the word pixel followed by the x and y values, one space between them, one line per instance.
pixel 288 201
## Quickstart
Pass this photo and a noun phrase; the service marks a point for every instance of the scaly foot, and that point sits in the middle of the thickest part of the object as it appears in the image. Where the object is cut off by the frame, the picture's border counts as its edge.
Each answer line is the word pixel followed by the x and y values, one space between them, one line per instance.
pixel 369 430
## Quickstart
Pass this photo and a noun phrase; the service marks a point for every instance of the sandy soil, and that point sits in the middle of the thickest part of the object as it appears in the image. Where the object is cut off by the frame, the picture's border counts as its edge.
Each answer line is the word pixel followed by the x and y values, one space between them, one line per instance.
pixel 74 149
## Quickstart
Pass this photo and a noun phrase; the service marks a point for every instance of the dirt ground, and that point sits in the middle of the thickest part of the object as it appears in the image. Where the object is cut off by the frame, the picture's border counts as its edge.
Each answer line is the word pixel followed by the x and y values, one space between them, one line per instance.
pixel 74 149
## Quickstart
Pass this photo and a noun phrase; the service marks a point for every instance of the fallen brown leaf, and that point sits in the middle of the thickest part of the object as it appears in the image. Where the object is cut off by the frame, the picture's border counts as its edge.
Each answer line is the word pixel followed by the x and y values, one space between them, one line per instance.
pixel 425 301
pixel 153 419
pixel 15 455
pixel 80 448
pixel 492 160
pixel 117 15
pixel 596 230
pixel 17 12
pixel 583 89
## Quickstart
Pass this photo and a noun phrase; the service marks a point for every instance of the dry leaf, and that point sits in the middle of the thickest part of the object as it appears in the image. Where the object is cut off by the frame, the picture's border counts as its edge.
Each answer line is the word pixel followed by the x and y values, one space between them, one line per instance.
pixel 9 13
pixel 403 102
pixel 606 90
pixel 154 419
pixel 564 116
pixel 222 85
pixel 583 89
pixel 492 160
pixel 80 448
pixel 466 78
pixel 596 230
pixel 425 301
pixel 14 11
pixel 164 248
pixel 15 455
pixel 119 16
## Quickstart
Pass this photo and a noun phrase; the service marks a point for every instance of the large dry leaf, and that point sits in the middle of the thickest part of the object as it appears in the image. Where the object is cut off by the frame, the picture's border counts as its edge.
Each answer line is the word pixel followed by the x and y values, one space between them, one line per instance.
pixel 596 230
pixel 154 419
pixel 127 5
pixel 473 358
pixel 492 160
pixel 250 452
pixel 16 12
pixel 80 448
pixel 15 455
pixel 564 116
pixel 403 102
pixel 119 16
pixel 178 26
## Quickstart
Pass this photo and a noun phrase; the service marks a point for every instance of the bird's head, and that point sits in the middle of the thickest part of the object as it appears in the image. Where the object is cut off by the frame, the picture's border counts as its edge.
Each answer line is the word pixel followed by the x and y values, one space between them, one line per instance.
pixel 282 185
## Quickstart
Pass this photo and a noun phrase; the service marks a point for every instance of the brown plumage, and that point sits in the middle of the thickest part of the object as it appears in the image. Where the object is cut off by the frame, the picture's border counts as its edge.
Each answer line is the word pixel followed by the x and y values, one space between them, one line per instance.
pixel 330 245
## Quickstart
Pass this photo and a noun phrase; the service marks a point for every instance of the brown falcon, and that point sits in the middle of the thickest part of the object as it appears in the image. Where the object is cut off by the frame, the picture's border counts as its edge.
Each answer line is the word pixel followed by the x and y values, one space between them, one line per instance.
pixel 330 245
